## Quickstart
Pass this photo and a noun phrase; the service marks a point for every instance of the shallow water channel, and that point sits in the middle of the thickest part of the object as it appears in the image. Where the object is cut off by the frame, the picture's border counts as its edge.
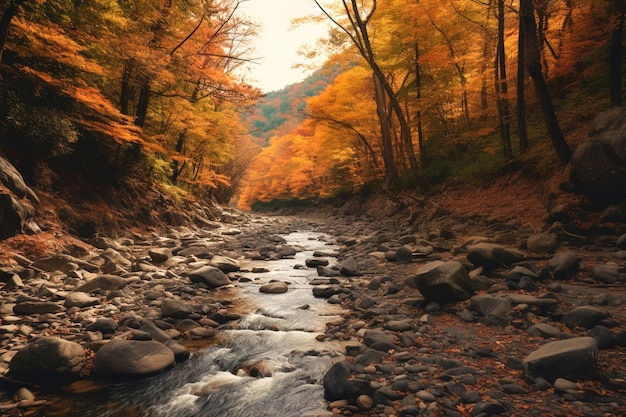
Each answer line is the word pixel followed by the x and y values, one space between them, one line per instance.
pixel 268 364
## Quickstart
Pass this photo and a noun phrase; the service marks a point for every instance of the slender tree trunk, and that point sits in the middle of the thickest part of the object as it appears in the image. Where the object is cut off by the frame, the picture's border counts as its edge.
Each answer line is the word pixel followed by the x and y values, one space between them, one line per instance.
pixel 5 22
pixel 177 168
pixel 521 78
pixel 142 104
pixel 391 170
pixel 418 114
pixel 126 93
pixel 617 36
pixel 502 86
pixel 561 147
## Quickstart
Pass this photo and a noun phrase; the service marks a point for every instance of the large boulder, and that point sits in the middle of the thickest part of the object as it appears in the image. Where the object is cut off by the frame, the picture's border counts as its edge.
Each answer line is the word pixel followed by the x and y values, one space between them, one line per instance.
pixel 598 167
pixel 274 287
pixel 444 282
pixel 17 203
pixel 339 385
pixel 571 359
pixel 47 359
pixel 493 256
pixel 563 265
pixel 103 282
pixel 210 276
pixel 13 180
pixel 132 358
pixel 16 216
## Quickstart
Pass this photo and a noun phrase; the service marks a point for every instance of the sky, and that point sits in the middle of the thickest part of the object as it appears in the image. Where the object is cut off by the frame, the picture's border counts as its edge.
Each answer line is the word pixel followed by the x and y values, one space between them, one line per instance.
pixel 277 44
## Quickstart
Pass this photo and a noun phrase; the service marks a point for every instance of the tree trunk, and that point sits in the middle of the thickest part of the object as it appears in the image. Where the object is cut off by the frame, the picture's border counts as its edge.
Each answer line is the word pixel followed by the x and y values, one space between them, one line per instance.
pixel 5 22
pixel 616 55
pixel 418 114
pixel 502 87
pixel 521 78
pixel 391 170
pixel 180 147
pixel 142 104
pixel 533 59
pixel 126 94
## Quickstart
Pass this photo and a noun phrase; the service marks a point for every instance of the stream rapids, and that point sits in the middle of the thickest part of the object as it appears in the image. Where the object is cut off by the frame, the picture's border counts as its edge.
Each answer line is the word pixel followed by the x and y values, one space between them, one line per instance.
pixel 269 364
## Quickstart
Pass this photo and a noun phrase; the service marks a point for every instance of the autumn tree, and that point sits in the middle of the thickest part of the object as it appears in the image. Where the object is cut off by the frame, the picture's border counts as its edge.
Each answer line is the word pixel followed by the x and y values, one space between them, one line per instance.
pixel 358 17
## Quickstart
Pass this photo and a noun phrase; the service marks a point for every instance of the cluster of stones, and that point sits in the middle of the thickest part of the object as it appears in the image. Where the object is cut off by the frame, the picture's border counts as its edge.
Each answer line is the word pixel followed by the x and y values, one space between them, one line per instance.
pixel 122 308
pixel 405 362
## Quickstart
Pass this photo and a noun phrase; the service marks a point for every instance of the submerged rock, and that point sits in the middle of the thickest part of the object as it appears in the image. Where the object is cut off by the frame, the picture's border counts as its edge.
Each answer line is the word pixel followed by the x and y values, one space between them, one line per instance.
pixel 129 358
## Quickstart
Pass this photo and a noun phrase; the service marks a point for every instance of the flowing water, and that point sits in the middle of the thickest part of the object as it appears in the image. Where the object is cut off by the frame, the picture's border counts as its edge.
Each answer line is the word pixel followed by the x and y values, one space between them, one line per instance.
pixel 268 364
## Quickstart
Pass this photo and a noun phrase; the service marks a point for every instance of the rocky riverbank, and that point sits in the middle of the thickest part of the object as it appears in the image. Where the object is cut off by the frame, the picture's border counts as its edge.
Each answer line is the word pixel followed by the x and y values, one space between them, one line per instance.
pixel 466 345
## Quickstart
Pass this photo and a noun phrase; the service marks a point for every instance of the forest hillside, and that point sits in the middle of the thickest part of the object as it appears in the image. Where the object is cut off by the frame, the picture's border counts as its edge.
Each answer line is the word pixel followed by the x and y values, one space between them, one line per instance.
pixel 123 114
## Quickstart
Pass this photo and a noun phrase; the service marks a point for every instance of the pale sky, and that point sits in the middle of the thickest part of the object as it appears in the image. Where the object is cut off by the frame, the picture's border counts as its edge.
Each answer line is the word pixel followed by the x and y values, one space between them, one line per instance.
pixel 277 43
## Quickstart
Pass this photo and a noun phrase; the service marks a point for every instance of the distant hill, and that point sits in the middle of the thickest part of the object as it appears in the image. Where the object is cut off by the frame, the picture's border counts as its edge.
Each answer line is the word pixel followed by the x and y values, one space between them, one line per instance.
pixel 280 110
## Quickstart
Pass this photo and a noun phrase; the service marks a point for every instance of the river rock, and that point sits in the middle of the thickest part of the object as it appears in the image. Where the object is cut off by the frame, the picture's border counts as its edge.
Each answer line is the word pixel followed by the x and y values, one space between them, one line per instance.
pixel 572 359
pixel 583 316
pixel 286 252
pixel 47 358
pixel 349 267
pixel 80 300
pixel 315 262
pixel 598 166
pixel 544 330
pixel 128 358
pixel 103 282
pixel 27 308
pixel 442 282
pixel 542 243
pixel 339 385
pixel 544 304
pixel 160 255
pixel 175 309
pixel 103 325
pixel 225 264
pixel 492 256
pixel 210 276
pixel 486 305
pixel 563 265
pixel 404 254
pixel 276 287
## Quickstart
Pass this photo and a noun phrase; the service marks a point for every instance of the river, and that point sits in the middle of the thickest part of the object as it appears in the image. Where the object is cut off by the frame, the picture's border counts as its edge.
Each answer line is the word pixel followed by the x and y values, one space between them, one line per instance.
pixel 269 363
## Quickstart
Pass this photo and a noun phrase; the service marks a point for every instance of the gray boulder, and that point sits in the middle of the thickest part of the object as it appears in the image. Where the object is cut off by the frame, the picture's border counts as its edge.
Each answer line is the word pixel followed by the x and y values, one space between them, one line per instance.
pixel 339 385
pixel 486 305
pixel 542 243
pixel 444 282
pixel 210 276
pixel 563 265
pixel 160 255
pixel 80 300
pixel 27 308
pixel 598 166
pixel 349 267
pixel 583 316
pixel 47 358
pixel 63 263
pixel 103 282
pixel 225 264
pixel 493 256
pixel 175 309
pixel 276 287
pixel 16 216
pixel 130 358
pixel 571 359
pixel 13 180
